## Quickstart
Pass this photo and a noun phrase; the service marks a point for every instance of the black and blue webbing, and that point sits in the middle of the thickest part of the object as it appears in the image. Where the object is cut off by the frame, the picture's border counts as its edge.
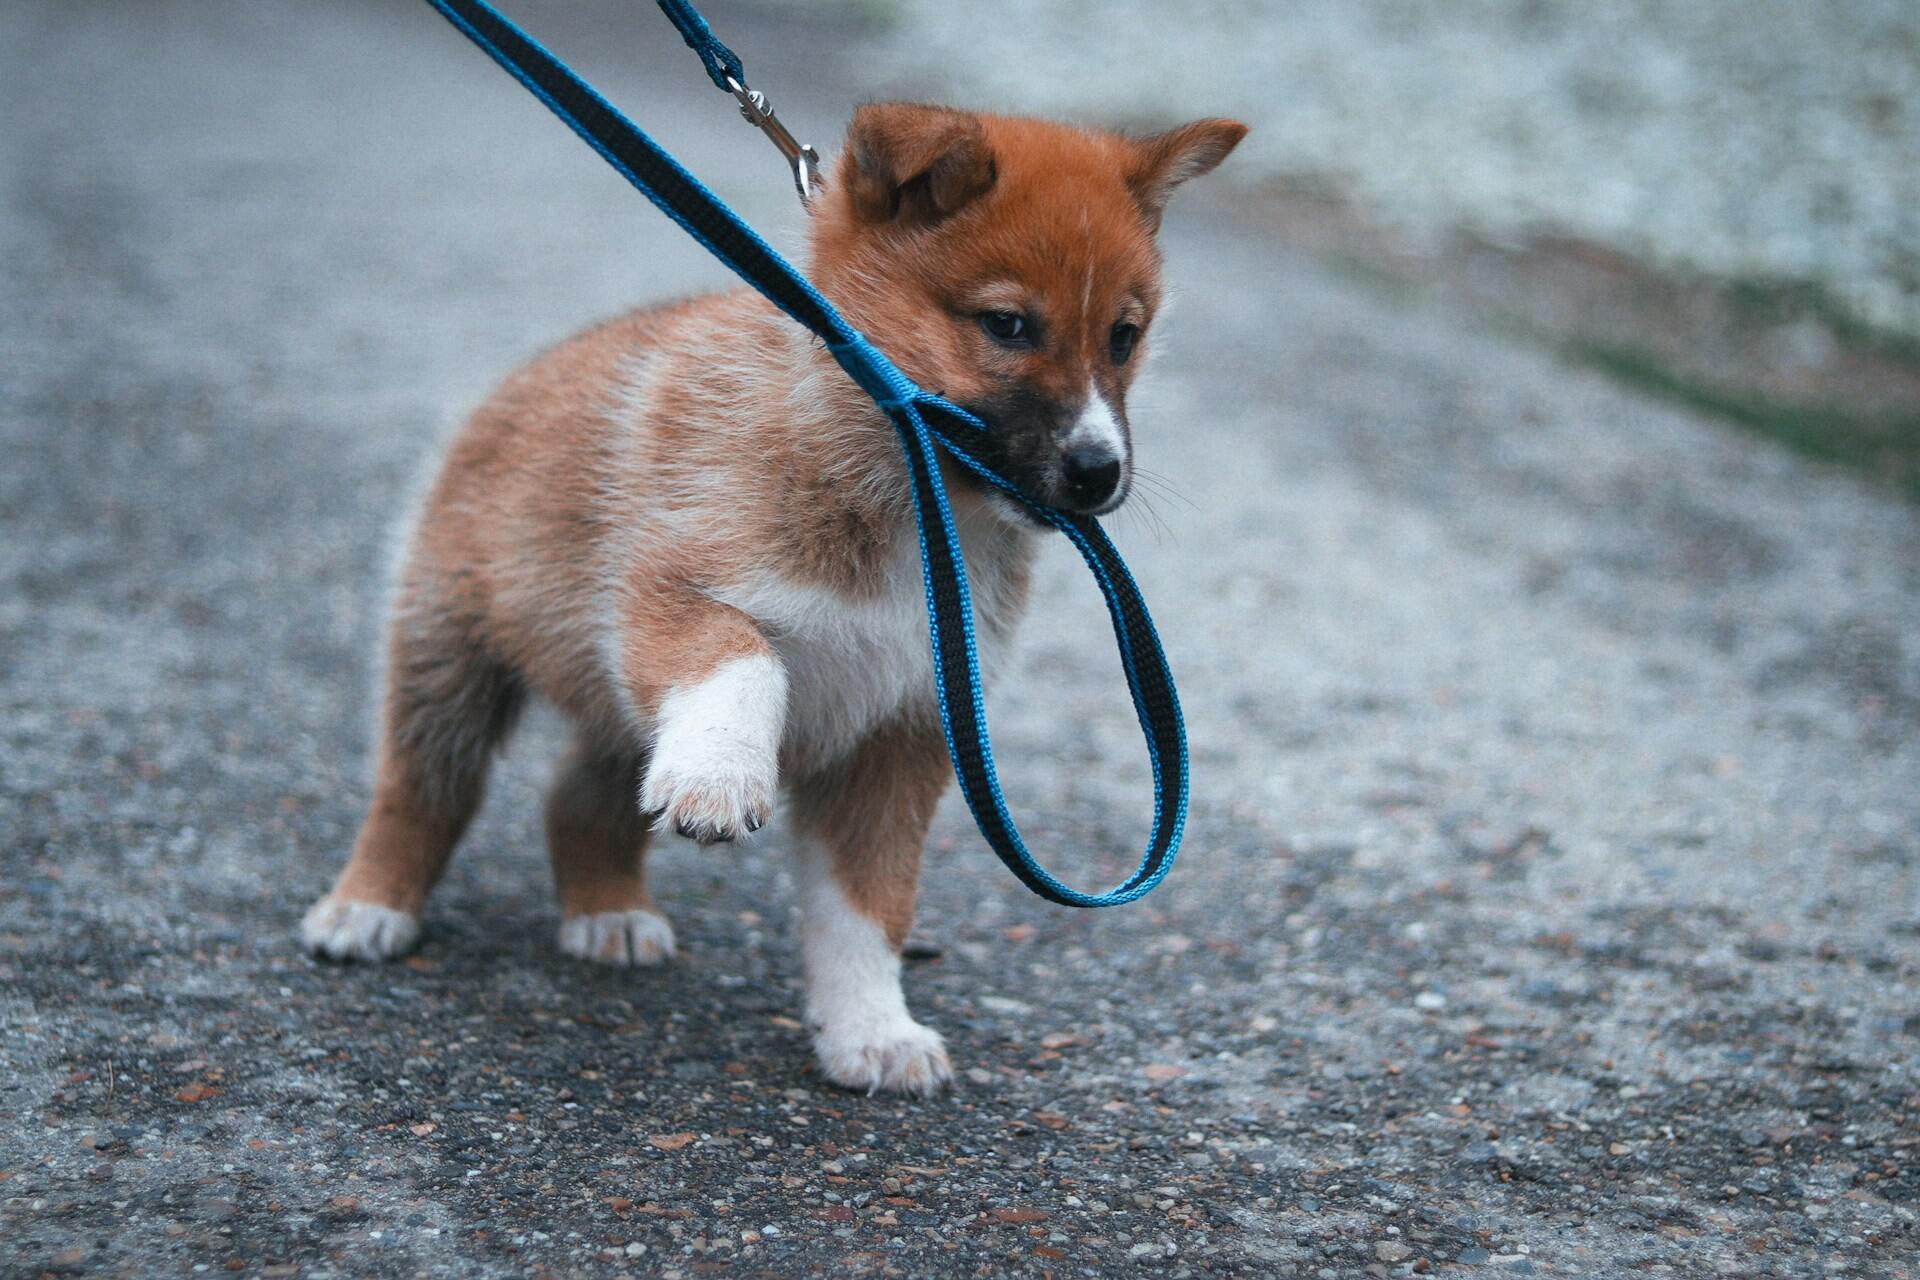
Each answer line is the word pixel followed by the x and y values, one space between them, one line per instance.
pixel 924 421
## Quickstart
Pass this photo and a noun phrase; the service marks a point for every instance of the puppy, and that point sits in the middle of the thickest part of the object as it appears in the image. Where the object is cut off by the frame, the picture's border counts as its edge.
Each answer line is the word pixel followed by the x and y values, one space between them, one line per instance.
pixel 688 530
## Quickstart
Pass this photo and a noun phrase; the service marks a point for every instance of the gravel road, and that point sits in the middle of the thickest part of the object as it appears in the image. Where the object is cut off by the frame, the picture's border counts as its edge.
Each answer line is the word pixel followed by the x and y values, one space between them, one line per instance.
pixel 1552 900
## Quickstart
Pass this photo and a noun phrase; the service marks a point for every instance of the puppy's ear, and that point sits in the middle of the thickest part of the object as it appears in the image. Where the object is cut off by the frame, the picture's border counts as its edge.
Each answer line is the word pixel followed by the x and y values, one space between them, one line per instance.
pixel 1166 160
pixel 914 165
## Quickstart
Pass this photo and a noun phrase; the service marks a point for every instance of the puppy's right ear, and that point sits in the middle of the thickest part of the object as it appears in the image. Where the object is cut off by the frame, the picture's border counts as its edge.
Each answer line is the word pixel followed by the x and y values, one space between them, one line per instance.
pixel 914 165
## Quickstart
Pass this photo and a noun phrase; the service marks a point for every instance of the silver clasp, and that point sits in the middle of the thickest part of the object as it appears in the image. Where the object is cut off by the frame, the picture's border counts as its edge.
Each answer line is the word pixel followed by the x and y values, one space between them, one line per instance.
pixel 802 159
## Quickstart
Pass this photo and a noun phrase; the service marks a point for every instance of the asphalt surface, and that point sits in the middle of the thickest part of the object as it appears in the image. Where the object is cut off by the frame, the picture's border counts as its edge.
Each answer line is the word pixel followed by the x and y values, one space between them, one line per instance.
pixel 1552 899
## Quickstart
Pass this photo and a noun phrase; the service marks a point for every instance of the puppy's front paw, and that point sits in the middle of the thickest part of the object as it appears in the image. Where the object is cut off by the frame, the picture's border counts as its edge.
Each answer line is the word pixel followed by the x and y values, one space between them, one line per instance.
pixel 895 1056
pixel 709 793
pixel 716 752
pixel 637 937
pixel 344 930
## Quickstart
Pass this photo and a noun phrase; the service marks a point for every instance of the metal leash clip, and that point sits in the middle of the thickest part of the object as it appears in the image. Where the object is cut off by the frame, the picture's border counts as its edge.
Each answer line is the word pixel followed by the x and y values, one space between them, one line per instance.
pixel 804 160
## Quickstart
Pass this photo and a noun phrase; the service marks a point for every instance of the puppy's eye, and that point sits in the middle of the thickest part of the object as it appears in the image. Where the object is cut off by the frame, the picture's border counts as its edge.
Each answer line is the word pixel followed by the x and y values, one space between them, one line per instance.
pixel 1121 342
pixel 1008 328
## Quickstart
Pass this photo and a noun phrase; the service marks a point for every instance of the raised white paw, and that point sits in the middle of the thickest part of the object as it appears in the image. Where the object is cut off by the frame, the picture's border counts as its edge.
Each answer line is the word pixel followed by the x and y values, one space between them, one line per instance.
pixel 899 1056
pixel 358 930
pixel 618 937
pixel 720 791
pixel 715 762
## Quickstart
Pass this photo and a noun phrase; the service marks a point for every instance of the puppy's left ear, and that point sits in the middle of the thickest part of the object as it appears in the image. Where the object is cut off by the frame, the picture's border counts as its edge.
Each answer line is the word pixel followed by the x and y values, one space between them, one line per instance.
pixel 1166 160
pixel 914 165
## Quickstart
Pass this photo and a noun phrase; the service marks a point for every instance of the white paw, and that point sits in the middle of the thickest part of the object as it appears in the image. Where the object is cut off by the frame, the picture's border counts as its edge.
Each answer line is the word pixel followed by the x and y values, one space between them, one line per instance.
pixel 358 930
pixel 715 765
pixel 712 799
pixel 898 1056
pixel 618 937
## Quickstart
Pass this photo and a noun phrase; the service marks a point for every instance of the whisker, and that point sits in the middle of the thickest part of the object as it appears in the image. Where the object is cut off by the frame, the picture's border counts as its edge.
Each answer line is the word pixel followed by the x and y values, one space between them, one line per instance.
pixel 1164 486
pixel 1142 511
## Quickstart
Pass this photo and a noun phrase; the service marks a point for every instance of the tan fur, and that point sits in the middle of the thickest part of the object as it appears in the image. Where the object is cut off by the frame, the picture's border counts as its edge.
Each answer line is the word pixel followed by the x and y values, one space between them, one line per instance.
pixel 873 809
pixel 598 512
pixel 595 836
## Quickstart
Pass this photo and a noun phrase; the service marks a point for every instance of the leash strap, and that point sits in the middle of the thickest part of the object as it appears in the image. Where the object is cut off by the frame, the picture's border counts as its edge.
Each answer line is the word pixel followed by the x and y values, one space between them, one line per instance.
pixel 925 422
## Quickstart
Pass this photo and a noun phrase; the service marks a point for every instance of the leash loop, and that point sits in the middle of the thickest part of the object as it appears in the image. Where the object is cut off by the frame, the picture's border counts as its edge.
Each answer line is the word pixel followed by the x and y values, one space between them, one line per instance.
pixel 721 62
pixel 927 425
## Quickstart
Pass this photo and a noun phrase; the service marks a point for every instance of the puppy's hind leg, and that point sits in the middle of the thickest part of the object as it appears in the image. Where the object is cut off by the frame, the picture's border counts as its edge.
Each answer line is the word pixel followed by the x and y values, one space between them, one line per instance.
pixel 858 871
pixel 447 707
pixel 598 843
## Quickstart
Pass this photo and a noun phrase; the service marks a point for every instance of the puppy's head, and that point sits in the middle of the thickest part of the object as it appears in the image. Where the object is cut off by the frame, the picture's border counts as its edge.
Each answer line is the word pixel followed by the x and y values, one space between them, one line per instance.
pixel 1009 264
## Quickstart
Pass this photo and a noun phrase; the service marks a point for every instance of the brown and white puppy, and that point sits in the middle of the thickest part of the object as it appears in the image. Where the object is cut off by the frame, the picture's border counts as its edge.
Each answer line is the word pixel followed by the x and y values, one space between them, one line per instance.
pixel 689 531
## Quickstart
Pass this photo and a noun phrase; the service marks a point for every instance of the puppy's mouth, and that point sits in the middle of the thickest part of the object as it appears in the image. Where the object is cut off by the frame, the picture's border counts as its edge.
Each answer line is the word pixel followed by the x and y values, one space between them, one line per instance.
pixel 1086 478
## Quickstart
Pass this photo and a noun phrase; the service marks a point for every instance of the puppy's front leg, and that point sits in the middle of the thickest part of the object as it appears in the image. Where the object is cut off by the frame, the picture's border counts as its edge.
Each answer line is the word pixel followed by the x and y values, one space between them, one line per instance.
pixel 715 693
pixel 862 825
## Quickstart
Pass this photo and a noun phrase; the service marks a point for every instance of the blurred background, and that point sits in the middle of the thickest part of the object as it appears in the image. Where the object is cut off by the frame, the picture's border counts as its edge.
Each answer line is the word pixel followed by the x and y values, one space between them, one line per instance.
pixel 1529 512
pixel 1717 202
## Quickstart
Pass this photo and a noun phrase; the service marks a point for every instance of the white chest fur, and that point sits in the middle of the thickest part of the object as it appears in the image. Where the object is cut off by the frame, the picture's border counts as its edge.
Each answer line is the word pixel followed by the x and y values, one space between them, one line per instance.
pixel 851 663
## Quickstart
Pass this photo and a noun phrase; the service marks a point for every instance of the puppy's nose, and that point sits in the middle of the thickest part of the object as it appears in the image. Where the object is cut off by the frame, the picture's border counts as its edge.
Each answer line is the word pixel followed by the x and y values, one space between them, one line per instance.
pixel 1092 474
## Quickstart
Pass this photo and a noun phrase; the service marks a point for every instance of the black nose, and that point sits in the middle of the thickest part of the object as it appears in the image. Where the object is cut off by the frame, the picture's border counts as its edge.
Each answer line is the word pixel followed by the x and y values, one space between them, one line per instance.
pixel 1092 474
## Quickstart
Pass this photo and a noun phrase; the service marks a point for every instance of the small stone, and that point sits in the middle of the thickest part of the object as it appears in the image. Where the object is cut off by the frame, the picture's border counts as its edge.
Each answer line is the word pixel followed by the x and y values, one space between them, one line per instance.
pixel 635 1249
pixel 1391 1251
pixel 1020 1215
pixel 1429 1000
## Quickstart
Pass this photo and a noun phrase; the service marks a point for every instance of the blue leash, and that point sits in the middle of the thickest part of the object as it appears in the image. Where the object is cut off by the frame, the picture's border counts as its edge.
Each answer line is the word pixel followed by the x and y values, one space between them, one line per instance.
pixel 923 421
